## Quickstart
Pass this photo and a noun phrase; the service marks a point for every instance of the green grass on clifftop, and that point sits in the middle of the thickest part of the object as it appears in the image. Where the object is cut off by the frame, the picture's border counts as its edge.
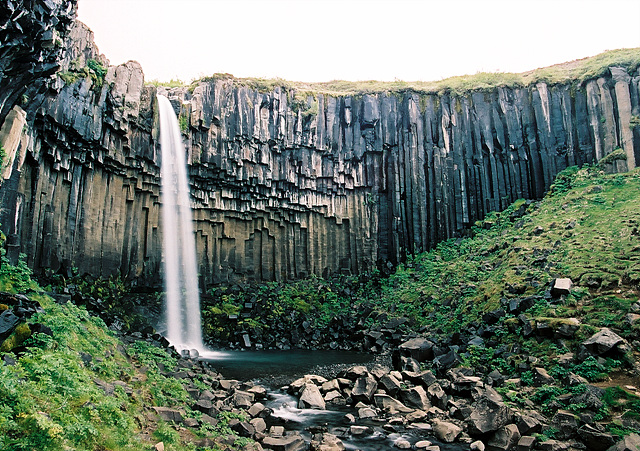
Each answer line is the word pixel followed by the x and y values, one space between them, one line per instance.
pixel 578 70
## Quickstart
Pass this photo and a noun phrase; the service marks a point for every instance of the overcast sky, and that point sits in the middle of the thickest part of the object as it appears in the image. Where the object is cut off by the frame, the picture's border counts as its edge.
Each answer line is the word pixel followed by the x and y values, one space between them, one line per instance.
pixel 311 40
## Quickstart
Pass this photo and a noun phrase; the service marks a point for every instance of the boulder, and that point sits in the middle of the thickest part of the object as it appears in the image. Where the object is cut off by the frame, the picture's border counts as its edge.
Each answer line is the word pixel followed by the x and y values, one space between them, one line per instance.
pixel 366 412
pixel 402 443
pixel 566 423
pixel 364 388
pixel 355 372
pixel 259 425
pixel 326 442
pixel 530 423
pixel 602 342
pixel 335 398
pixel 168 414
pixel 437 395
pixel 541 377
pixel 419 349
pixel 390 384
pixel 446 431
pixel 630 443
pixel 504 438
pixel 561 287
pixel 242 399
pixel 595 439
pixel 389 404
pixel 477 446
pixel 8 322
pixel 488 415
pixel 416 397
pixel 288 443
pixel 446 361
pixel 311 398
pixel 244 429
pixel 526 443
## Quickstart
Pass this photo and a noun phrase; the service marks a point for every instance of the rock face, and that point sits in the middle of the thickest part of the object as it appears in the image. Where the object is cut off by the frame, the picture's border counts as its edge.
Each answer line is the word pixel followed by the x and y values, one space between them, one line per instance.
pixel 31 46
pixel 287 184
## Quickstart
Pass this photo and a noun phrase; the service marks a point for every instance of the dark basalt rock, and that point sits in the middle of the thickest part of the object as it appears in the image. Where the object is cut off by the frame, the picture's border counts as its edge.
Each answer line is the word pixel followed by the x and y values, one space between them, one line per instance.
pixel 343 184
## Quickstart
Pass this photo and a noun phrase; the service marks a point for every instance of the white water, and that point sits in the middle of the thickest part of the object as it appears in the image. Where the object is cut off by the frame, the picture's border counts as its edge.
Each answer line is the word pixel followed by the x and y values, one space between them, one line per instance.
pixel 180 266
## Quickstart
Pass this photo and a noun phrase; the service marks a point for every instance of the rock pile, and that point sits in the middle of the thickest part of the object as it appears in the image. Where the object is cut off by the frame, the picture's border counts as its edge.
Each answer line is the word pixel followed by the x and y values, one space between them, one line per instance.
pixel 458 407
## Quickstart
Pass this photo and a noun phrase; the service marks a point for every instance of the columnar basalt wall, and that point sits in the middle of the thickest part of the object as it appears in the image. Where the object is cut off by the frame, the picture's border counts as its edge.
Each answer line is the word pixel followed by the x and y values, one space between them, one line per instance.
pixel 286 184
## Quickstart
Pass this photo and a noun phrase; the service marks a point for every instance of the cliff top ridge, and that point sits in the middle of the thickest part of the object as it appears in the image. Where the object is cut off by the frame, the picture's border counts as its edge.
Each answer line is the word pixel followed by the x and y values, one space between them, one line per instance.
pixel 578 70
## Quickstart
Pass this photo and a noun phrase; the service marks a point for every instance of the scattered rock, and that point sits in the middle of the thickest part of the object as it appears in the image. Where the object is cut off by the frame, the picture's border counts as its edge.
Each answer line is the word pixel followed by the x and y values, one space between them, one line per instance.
pixel 446 431
pixel 561 287
pixel 602 342
pixel 311 398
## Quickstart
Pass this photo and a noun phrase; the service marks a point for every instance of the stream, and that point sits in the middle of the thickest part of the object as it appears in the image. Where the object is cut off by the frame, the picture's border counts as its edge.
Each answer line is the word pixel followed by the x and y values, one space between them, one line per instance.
pixel 274 369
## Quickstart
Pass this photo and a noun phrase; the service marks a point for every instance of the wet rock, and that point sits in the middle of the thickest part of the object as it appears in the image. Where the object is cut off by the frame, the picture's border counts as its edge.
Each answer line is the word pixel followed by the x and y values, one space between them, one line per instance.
pixel 422 444
pixel 311 398
pixel 326 442
pixel 402 443
pixel 288 443
pixel 364 388
pixel 349 418
pixel 389 404
pixel 359 430
pixel 477 446
pixel 446 431
pixel 259 425
pixel 335 398
pixel 366 412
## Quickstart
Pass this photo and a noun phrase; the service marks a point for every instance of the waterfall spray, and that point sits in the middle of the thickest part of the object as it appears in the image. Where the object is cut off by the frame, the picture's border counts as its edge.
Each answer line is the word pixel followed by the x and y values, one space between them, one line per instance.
pixel 180 267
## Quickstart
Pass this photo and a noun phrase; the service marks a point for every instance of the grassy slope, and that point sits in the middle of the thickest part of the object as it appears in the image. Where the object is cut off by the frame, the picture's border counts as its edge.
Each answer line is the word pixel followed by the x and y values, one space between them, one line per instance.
pixel 53 397
pixel 585 229
pixel 579 70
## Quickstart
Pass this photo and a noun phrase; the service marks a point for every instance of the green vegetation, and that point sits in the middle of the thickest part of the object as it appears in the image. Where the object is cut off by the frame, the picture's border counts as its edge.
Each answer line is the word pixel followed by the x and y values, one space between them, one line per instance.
pixel 76 387
pixel 576 71
pixel 586 214
pixel 94 71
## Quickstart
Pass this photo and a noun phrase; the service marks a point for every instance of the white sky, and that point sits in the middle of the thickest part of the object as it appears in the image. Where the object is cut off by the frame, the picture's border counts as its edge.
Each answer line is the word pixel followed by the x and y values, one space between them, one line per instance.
pixel 313 40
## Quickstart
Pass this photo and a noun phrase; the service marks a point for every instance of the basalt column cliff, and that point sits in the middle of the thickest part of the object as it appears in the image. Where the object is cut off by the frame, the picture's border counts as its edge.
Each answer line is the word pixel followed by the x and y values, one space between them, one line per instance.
pixel 287 183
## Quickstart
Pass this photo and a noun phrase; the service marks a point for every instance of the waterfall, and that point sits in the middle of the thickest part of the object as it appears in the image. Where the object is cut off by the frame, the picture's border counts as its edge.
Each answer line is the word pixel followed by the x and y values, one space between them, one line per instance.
pixel 180 267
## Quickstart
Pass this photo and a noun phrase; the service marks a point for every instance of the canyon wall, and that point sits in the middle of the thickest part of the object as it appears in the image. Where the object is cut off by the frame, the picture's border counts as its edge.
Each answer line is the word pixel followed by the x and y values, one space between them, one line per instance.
pixel 287 183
